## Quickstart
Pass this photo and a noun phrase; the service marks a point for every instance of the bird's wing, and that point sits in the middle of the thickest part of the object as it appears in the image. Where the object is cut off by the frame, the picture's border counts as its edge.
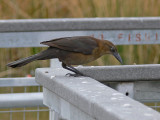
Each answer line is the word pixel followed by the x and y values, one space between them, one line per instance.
pixel 81 44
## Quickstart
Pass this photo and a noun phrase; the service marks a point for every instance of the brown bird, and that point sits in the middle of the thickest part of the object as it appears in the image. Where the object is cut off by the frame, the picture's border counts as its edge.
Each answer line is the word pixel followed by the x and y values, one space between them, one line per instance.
pixel 72 51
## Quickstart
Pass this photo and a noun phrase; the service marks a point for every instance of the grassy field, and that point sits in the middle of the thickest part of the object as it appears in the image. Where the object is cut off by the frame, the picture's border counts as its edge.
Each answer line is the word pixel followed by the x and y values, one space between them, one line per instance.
pixel 26 9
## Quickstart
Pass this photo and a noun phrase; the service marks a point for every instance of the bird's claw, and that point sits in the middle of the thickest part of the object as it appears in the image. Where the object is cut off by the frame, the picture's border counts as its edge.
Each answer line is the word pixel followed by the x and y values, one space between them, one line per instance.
pixel 73 75
pixel 76 75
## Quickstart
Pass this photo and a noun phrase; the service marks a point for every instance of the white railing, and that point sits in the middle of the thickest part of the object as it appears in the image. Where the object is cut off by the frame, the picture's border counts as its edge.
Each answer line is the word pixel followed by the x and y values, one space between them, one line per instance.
pixel 84 98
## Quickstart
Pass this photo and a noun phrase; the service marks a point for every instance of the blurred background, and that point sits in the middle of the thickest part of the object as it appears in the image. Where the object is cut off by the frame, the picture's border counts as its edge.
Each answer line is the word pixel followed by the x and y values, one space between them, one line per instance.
pixel 30 9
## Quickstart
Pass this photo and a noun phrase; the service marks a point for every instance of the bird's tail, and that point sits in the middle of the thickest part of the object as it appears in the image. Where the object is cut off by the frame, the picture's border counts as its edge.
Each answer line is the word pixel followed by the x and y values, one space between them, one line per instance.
pixel 21 62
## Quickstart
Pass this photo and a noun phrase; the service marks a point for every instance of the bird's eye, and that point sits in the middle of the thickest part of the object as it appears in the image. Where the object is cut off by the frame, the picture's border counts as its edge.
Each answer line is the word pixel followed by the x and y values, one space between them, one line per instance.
pixel 113 49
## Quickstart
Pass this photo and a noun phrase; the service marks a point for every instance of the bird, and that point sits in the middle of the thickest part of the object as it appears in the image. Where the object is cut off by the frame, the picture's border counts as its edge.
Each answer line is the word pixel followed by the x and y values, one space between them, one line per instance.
pixel 76 50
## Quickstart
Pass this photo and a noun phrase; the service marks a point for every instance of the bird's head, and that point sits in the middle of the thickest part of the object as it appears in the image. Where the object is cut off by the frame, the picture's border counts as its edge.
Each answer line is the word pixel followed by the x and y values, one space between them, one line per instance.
pixel 110 48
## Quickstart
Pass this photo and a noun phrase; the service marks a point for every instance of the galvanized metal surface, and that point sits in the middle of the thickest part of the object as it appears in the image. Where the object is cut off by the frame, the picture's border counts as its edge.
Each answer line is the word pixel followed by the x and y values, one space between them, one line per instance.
pixel 140 82
pixel 143 91
pixel 85 98
pixel 118 37
pixel 127 88
pixel 17 82
pixel 71 24
pixel 119 73
pixel 19 111
pixel 121 31
pixel 54 63
pixel 60 109
pixel 19 100
pixel 147 91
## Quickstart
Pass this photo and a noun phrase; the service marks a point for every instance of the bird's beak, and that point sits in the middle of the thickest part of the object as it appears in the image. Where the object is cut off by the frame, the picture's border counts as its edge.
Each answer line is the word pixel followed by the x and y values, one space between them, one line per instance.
pixel 118 57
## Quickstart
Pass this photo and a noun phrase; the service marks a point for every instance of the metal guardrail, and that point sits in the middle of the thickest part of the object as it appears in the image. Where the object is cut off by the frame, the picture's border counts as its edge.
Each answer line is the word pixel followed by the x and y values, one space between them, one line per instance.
pixel 15 100
pixel 140 82
pixel 87 99
pixel 17 82
pixel 123 73
pixel 19 100
pixel 70 24
pixel 121 31
pixel 22 103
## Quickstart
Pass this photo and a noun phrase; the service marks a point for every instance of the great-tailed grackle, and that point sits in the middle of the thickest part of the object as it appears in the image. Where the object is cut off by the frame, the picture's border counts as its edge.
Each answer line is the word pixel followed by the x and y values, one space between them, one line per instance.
pixel 72 51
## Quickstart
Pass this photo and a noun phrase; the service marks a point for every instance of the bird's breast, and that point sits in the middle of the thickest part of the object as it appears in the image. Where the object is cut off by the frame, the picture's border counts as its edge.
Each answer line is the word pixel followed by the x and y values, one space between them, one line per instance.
pixel 79 58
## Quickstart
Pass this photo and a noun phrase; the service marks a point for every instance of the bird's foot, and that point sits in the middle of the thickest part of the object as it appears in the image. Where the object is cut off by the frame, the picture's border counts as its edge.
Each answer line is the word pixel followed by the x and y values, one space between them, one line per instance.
pixel 74 75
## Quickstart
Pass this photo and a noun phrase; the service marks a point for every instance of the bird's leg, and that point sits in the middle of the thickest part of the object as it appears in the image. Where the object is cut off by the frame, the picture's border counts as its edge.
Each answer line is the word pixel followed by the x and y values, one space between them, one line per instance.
pixel 77 73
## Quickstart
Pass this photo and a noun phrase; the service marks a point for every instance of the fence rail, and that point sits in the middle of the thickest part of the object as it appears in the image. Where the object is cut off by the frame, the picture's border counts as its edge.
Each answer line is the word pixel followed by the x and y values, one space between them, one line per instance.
pixel 17 82
pixel 140 82
pixel 70 24
pixel 84 98
pixel 121 31
pixel 124 73
pixel 20 100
